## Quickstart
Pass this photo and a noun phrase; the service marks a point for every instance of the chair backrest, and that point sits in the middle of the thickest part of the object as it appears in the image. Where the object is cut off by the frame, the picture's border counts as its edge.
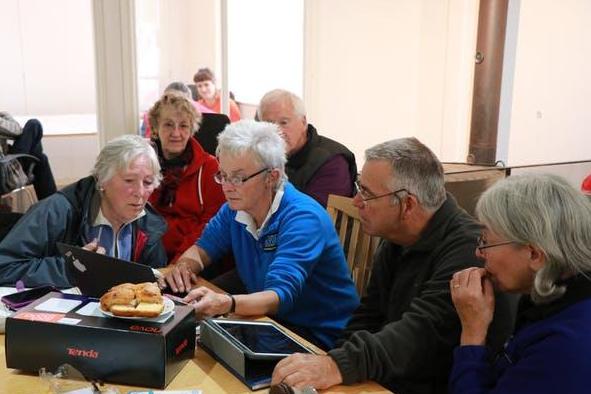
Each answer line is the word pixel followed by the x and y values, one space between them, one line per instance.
pixel 467 182
pixel 211 126
pixel 359 247
pixel 19 200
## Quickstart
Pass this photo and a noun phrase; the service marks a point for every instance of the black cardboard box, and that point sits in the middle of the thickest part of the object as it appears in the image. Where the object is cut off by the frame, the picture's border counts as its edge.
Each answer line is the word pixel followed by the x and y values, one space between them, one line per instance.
pixel 66 328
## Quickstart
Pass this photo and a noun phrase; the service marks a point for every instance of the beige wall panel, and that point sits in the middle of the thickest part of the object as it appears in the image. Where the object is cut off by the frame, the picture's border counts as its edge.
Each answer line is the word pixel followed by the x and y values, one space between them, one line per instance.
pixel 380 69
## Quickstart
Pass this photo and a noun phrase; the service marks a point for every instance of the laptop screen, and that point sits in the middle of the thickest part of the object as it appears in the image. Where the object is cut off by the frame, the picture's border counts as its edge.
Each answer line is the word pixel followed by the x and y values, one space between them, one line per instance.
pixel 95 273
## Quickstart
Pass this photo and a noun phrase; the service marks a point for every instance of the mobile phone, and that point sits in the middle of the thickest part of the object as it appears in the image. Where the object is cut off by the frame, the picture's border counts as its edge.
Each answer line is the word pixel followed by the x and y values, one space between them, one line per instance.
pixel 20 299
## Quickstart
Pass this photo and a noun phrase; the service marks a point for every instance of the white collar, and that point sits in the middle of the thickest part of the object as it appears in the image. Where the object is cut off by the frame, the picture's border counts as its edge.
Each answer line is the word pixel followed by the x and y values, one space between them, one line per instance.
pixel 245 218
pixel 101 219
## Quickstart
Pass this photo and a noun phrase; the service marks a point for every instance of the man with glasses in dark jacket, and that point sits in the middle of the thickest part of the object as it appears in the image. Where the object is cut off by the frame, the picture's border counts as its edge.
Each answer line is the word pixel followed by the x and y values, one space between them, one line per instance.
pixel 403 333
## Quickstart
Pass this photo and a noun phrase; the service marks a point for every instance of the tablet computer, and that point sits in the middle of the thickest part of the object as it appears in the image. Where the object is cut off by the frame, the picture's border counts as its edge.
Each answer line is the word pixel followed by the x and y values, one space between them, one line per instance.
pixel 259 339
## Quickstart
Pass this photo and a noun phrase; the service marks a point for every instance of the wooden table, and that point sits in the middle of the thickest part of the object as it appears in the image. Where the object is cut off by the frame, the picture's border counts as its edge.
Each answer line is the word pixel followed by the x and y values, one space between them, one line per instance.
pixel 202 372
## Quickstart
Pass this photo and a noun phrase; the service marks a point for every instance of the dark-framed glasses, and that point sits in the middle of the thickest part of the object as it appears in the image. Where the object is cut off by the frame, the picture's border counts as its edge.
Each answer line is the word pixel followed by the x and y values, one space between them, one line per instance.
pixel 366 195
pixel 482 244
pixel 236 180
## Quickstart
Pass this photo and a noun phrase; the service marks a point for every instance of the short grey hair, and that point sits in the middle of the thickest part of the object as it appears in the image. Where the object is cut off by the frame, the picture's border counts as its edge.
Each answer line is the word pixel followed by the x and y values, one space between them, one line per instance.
pixel 119 153
pixel 414 168
pixel 261 139
pixel 280 95
pixel 180 87
pixel 545 211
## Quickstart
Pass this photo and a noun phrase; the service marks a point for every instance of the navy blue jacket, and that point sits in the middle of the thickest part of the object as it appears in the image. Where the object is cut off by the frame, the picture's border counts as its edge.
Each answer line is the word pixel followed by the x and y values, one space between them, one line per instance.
pixel 29 252
pixel 549 353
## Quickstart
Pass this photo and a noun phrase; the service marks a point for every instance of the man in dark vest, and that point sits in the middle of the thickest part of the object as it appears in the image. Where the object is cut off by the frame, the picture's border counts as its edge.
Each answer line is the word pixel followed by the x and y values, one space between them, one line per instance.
pixel 316 165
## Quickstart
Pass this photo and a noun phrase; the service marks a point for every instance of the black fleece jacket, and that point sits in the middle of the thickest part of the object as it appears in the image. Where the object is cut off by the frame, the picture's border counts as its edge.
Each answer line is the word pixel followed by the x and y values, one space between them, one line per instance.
pixel 403 333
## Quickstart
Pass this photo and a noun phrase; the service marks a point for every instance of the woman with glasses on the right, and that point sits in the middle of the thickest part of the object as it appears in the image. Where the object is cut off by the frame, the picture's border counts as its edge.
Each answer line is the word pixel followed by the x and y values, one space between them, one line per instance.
pixel 536 241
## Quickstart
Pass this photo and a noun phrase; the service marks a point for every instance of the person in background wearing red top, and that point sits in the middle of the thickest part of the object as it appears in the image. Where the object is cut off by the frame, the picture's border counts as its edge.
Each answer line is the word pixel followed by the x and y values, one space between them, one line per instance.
pixel 188 195
pixel 209 95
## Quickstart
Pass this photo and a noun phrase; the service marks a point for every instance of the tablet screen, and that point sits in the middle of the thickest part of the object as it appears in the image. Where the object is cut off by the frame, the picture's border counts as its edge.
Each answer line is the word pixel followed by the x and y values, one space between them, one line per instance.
pixel 262 338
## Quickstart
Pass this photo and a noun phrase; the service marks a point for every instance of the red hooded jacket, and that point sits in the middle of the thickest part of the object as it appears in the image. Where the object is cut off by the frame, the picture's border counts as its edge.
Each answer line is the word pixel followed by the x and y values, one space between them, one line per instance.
pixel 198 198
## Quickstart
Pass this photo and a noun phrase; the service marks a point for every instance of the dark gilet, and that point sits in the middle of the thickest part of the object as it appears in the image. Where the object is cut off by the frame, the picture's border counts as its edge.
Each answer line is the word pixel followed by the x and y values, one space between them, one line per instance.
pixel 302 165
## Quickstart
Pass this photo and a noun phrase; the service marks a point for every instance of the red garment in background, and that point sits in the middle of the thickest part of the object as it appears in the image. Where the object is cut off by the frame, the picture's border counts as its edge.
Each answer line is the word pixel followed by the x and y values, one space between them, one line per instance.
pixel 217 106
pixel 187 217
pixel 586 185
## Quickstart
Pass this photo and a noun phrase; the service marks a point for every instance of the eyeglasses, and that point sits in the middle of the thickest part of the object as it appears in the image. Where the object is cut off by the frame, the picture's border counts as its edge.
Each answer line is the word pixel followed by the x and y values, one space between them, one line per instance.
pixel 68 379
pixel 236 180
pixel 482 244
pixel 368 196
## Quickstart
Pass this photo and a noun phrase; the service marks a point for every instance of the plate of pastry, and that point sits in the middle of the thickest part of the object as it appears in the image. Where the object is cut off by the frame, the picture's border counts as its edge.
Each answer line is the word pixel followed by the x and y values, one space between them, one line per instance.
pixel 141 301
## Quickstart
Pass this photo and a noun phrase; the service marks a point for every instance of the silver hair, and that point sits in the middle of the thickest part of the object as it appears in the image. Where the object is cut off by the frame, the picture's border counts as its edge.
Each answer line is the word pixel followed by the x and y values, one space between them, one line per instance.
pixel 119 153
pixel 179 87
pixel 261 139
pixel 280 95
pixel 545 211
pixel 414 168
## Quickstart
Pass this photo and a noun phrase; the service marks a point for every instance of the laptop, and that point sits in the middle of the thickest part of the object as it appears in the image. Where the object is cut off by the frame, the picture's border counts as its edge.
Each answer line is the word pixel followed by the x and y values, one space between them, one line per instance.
pixel 95 273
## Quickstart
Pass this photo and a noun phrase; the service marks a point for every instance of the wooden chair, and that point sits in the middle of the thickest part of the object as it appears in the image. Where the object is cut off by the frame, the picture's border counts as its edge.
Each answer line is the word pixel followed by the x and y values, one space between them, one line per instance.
pixel 359 247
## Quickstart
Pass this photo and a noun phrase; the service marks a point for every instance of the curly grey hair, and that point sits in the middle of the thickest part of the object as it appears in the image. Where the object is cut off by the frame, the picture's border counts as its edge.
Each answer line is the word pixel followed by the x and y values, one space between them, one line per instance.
pixel 119 153
pixel 545 211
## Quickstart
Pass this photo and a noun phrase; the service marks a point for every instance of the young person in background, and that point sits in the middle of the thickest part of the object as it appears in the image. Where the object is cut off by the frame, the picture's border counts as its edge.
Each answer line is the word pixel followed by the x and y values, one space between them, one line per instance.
pixel 209 95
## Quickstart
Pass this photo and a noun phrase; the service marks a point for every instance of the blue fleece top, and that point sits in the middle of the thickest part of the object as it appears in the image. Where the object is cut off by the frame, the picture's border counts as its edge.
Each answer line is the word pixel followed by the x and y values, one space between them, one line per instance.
pixel 298 256
pixel 549 355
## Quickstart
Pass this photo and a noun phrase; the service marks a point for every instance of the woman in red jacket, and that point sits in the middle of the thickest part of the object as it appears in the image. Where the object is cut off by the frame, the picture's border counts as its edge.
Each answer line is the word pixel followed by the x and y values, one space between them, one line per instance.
pixel 188 195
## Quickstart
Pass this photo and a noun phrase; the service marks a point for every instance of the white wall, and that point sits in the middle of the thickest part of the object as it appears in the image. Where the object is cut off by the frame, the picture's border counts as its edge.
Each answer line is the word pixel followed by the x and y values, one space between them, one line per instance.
pixel 265 47
pixel 550 116
pixel 71 157
pixel 176 38
pixel 373 69
pixel 378 70
pixel 48 57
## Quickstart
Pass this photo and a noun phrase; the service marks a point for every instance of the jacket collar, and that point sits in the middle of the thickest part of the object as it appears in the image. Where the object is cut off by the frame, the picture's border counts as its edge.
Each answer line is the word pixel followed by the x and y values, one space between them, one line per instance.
pixel 435 230
pixel 578 288
pixel 299 158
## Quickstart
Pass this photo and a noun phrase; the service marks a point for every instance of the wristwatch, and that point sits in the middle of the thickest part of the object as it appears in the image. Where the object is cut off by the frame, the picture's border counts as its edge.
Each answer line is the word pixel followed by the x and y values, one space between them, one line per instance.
pixel 233 304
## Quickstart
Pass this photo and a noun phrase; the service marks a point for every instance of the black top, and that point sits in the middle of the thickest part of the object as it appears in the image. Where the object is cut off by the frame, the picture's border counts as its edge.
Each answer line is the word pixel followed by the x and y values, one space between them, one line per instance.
pixel 302 165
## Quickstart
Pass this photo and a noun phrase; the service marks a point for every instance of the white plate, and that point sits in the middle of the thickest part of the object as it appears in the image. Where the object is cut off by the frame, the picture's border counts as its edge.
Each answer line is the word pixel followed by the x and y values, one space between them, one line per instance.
pixel 168 308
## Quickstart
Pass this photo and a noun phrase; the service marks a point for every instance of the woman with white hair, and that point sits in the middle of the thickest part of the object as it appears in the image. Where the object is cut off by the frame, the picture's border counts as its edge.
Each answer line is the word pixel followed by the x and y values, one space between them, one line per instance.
pixel 536 241
pixel 288 257
pixel 104 212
